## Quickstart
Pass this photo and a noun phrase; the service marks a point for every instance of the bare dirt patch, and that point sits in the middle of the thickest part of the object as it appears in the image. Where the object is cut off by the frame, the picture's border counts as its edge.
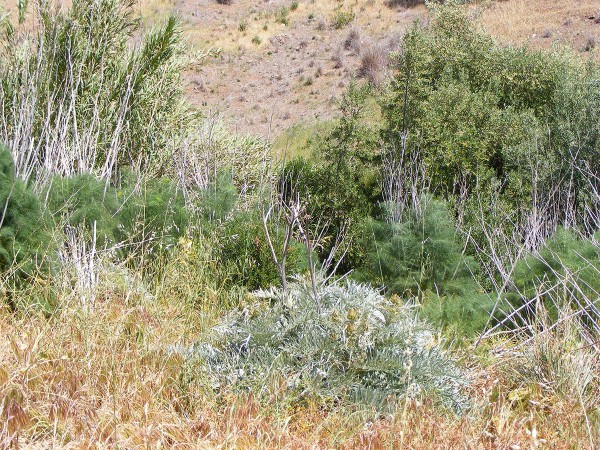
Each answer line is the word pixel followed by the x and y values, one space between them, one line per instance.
pixel 280 63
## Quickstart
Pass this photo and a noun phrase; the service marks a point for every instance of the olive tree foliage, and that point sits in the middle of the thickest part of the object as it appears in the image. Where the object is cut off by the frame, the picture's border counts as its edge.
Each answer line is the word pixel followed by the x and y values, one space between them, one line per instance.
pixel 518 124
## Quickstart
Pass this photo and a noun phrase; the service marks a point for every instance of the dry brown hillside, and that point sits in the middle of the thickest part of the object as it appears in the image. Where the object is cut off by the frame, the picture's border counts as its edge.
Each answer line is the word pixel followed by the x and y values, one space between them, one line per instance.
pixel 270 75
pixel 282 62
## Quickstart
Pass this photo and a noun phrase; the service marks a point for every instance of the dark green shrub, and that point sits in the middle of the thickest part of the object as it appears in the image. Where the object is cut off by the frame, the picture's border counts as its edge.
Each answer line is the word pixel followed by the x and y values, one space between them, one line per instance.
pixel 240 247
pixel 340 184
pixel 244 255
pixel 24 233
pixel 421 258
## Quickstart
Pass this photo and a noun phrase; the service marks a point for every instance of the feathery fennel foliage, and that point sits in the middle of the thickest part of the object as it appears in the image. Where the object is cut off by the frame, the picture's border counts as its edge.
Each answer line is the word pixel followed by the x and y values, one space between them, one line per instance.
pixel 24 238
pixel 361 349
pixel 146 215
pixel 564 273
pixel 421 258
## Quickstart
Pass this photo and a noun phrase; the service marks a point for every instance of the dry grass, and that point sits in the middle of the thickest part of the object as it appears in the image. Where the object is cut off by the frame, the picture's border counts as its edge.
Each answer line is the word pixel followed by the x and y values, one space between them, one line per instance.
pixel 223 30
pixel 105 378
pixel 98 378
pixel 374 63
pixel 542 22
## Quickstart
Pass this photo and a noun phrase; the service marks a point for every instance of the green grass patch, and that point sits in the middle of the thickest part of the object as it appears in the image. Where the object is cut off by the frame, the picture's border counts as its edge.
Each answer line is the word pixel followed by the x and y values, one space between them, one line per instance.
pixel 297 140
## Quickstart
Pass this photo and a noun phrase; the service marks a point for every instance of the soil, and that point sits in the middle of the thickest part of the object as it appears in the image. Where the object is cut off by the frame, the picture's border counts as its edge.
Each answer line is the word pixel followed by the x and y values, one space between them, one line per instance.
pixel 278 63
pixel 292 73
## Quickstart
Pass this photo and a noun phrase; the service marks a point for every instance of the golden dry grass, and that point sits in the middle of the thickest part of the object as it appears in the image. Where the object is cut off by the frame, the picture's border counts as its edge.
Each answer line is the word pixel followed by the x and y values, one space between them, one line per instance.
pixel 106 379
pixel 542 22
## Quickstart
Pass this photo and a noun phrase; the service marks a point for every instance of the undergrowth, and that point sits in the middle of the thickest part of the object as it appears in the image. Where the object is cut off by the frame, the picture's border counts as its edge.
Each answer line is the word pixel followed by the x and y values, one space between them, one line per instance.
pixel 139 275
pixel 360 348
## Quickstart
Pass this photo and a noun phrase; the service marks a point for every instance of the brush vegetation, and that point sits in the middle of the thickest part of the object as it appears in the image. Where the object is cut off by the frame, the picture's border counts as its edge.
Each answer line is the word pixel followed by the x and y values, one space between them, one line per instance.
pixel 359 348
pixel 427 280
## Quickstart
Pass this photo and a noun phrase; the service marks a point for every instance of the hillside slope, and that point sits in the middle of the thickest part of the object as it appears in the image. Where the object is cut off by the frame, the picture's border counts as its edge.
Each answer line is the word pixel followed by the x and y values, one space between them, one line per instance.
pixel 278 66
pixel 281 62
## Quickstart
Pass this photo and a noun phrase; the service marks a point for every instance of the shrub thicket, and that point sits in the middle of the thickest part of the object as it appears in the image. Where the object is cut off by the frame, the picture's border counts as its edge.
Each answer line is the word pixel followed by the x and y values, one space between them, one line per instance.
pixel 24 232
pixel 340 184
pixel 489 117
pixel 360 348
pixel 421 259
pixel 244 256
